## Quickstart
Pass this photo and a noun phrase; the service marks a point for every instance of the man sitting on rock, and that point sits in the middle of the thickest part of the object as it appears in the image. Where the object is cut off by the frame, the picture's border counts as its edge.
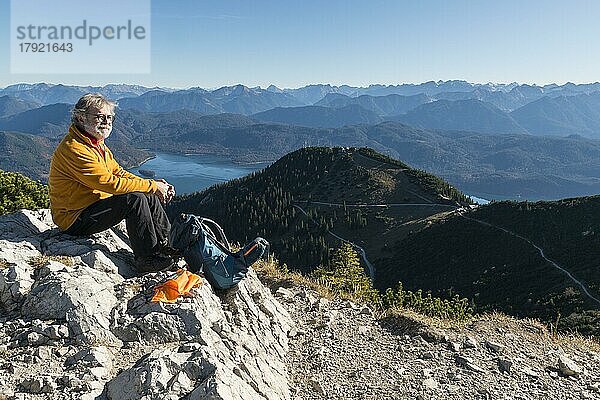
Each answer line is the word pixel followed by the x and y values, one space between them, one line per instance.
pixel 90 192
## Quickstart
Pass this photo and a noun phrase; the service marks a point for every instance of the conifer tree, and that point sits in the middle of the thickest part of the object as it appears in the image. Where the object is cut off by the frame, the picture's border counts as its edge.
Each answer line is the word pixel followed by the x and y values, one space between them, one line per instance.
pixel 18 191
pixel 345 274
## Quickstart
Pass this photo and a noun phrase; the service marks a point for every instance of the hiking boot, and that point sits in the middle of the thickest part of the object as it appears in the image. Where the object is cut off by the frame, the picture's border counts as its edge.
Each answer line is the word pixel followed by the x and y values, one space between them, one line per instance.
pixel 165 249
pixel 154 263
pixel 170 251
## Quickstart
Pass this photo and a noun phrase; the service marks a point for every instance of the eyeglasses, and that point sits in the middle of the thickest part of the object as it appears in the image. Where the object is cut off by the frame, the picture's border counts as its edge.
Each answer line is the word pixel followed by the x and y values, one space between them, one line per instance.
pixel 102 117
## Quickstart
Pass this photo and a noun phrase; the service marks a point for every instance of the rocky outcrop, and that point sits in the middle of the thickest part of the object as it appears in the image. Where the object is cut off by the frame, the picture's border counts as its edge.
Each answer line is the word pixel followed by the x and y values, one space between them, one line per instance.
pixel 77 323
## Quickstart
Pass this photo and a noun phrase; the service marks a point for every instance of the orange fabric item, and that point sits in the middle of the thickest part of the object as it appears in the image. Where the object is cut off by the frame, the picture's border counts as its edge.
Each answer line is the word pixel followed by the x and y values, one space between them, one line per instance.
pixel 181 285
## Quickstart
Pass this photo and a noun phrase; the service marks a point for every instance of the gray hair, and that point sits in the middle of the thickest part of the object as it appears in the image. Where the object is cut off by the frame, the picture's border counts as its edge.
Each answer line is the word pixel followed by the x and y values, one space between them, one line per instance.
pixel 90 100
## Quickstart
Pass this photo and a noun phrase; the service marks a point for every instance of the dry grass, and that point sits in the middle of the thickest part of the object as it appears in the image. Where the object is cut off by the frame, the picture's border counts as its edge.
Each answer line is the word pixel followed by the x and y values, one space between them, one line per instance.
pixel 528 329
pixel 37 262
pixel 535 330
pixel 276 275
pixel 434 322
pixel 576 341
pixel 573 340
pixel 4 264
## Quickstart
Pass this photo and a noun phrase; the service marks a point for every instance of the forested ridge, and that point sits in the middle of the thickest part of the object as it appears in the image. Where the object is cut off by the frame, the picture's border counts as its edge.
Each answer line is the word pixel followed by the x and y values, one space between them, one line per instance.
pixel 504 271
pixel 266 203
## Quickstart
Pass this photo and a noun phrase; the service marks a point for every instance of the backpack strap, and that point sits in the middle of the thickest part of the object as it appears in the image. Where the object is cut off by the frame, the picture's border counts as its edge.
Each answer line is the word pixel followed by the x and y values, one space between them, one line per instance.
pixel 216 233
pixel 220 233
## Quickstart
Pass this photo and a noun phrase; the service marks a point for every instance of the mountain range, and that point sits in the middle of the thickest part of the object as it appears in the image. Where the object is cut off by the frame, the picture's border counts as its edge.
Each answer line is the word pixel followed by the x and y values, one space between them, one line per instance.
pixel 391 104
pixel 319 116
pixel 512 165
pixel 466 115
pixel 505 96
pixel 533 108
pixel 562 115
pixel 464 132
pixel 236 99
pixel 12 105
pixel 45 93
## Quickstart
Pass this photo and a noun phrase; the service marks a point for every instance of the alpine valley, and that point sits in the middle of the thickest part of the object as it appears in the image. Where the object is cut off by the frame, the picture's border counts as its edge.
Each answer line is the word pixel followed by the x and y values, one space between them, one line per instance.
pixel 386 279
pixel 496 141
pixel 526 259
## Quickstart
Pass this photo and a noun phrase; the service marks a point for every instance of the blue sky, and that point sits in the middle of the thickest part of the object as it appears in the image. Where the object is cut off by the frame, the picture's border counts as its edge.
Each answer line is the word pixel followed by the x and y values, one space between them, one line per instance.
pixel 294 43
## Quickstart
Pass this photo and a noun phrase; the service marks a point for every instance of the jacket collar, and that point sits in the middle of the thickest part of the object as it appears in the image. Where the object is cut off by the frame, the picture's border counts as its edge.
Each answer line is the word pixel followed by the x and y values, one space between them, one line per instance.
pixel 89 139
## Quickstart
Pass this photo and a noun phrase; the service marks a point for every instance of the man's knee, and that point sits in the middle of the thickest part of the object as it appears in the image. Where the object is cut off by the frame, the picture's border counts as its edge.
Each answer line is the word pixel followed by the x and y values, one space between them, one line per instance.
pixel 136 198
pixel 137 203
pixel 152 199
pixel 154 203
pixel 147 203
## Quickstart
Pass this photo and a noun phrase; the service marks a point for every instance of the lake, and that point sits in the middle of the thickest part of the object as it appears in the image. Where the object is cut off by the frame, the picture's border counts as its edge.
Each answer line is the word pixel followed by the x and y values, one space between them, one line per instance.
pixel 478 200
pixel 192 173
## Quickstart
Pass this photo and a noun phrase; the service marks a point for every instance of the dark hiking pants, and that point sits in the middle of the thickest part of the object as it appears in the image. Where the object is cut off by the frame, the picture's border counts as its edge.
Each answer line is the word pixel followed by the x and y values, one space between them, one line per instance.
pixel 147 224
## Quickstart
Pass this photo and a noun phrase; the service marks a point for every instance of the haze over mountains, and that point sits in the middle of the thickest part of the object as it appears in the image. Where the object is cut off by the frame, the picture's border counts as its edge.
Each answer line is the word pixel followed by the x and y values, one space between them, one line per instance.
pixel 494 140
pixel 492 108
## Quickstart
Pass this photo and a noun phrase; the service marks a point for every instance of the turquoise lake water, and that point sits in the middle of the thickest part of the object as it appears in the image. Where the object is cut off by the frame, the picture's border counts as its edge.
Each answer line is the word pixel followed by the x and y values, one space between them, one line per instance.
pixel 192 173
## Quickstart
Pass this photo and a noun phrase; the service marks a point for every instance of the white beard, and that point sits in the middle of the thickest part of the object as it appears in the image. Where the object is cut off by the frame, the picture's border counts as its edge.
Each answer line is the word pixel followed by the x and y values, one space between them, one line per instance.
pixel 99 131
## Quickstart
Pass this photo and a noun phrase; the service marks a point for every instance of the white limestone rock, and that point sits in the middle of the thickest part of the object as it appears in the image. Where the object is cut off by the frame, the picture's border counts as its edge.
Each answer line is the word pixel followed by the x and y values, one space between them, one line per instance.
pixel 99 356
pixel 99 320
pixel 494 346
pixel 567 366
pixel 158 376
pixel 235 354
pixel 99 261
pixel 25 224
pixel 468 363
pixel 15 282
pixel 82 296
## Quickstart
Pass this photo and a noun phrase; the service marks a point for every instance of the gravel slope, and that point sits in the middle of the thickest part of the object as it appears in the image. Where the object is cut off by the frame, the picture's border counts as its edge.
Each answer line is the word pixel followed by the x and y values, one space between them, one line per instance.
pixel 339 350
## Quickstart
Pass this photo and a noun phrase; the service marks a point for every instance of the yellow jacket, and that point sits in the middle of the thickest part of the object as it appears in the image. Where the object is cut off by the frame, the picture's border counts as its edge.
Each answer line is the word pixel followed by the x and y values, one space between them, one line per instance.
pixel 80 176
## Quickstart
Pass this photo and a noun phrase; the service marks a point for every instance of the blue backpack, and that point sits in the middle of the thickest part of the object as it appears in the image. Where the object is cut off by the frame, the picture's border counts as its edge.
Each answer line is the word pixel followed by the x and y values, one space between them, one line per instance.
pixel 206 250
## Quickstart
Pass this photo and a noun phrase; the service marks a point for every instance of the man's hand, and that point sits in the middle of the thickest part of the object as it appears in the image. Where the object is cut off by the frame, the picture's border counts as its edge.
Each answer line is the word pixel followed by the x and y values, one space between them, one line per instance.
pixel 165 191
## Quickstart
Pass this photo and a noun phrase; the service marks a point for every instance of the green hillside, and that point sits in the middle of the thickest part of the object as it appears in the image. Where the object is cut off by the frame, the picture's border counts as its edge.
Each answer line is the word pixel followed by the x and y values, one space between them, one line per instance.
pixel 412 233
pixel 26 154
pixel 270 203
pixel 499 267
